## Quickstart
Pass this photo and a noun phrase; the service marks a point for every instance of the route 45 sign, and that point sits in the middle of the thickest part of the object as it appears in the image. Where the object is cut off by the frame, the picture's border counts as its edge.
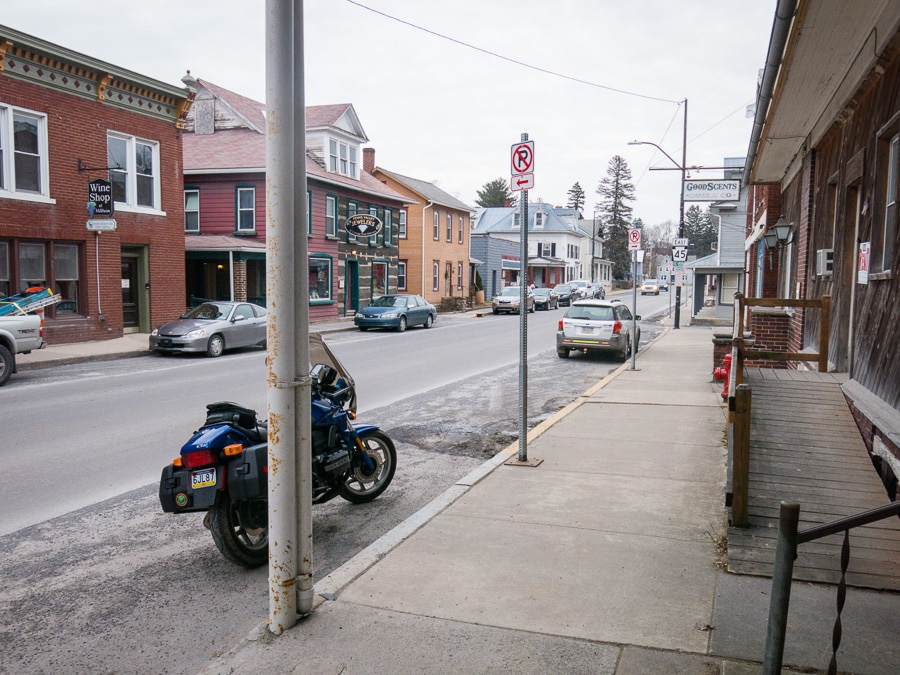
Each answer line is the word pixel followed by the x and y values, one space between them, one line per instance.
pixel 363 225
pixel 679 254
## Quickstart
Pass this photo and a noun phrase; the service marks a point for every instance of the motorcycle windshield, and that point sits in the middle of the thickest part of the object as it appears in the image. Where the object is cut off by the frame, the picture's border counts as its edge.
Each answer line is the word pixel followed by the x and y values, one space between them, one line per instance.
pixel 320 353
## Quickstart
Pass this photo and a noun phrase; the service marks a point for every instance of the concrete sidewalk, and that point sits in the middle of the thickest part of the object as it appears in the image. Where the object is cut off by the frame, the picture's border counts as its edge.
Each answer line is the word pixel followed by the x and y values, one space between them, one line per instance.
pixel 603 559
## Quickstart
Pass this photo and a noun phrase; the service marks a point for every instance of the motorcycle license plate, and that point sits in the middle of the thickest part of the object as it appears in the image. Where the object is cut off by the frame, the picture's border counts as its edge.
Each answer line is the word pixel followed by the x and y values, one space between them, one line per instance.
pixel 203 478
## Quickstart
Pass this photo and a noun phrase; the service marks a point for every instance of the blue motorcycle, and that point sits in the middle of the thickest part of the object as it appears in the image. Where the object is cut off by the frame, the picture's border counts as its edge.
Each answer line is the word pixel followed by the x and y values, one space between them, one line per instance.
pixel 223 468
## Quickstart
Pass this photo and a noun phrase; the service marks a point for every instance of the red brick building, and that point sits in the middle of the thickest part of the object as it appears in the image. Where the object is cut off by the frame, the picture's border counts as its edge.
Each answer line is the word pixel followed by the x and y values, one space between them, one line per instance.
pixel 67 119
pixel 225 208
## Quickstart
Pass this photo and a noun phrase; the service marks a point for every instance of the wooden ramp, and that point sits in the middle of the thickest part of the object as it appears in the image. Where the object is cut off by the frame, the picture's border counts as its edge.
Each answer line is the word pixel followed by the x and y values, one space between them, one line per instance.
pixel 805 448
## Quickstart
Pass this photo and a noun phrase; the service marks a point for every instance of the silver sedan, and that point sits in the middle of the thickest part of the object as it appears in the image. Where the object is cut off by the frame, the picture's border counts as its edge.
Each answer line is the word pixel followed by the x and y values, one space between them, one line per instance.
pixel 212 327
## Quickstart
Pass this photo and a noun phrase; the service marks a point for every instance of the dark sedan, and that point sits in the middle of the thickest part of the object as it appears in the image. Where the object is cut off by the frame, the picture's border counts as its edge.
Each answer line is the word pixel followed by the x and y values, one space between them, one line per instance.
pixel 565 293
pixel 545 298
pixel 397 312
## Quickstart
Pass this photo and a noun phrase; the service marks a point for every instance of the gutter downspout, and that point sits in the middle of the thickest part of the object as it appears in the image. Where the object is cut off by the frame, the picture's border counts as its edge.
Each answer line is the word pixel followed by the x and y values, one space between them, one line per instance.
pixel 784 16
pixel 430 204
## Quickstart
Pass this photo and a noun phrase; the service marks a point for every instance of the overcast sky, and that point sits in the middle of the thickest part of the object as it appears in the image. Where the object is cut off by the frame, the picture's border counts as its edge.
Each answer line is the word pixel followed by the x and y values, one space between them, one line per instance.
pixel 444 101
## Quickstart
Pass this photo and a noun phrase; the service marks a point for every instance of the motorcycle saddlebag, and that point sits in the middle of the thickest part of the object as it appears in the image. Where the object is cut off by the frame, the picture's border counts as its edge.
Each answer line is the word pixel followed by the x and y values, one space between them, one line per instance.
pixel 176 495
pixel 247 475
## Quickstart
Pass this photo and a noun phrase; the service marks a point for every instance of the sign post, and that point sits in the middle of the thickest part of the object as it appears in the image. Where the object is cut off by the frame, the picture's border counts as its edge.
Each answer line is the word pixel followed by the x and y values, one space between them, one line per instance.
pixel 522 178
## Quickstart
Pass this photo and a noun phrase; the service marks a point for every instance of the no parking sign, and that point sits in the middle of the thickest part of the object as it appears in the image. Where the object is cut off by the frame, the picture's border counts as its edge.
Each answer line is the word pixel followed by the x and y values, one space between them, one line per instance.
pixel 634 240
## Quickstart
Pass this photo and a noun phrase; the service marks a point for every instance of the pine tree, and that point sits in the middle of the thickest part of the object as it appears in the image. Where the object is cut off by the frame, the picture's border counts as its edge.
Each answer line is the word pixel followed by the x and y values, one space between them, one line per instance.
pixel 576 197
pixel 701 230
pixel 617 192
pixel 496 193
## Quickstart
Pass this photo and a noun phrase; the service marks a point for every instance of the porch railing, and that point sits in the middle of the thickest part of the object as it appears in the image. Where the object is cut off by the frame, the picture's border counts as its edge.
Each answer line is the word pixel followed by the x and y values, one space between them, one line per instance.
pixel 785 553
pixel 740 394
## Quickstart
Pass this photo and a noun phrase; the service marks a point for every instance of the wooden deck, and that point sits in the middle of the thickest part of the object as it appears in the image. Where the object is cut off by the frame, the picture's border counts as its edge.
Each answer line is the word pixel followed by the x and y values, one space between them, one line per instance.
pixel 805 448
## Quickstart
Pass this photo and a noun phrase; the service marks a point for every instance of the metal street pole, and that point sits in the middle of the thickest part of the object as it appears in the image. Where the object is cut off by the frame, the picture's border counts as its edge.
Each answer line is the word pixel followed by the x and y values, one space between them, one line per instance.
pixel 681 217
pixel 683 169
pixel 523 327
pixel 287 298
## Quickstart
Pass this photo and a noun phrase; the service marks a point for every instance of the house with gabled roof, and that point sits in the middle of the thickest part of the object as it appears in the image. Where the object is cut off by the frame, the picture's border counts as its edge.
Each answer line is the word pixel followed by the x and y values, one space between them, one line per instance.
pixel 555 247
pixel 224 193
pixel 433 236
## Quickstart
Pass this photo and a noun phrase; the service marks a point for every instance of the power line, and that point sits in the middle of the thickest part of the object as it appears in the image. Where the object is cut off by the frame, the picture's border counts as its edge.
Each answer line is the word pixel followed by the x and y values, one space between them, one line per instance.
pixel 510 60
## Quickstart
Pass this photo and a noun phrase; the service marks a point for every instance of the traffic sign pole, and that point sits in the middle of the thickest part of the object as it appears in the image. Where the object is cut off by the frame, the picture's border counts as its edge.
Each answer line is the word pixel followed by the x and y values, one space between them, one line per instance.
pixel 521 169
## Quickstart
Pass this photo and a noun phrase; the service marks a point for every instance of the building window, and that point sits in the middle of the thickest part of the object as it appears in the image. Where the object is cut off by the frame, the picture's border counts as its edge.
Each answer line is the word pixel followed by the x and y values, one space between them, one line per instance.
pixel 379 279
pixel 245 198
pixel 65 272
pixel 460 229
pixel 373 239
pixel 342 158
pixel 319 279
pixel 387 234
pixel 309 212
pixel 134 180
pixel 891 194
pixel 449 227
pixel 24 164
pixel 352 210
pixel 435 275
pixel 4 269
pixel 401 275
pixel 191 210
pixel 436 226
pixel 331 203
pixel 401 226
pixel 516 219
pixel 539 219
pixel 32 267
pixel 459 275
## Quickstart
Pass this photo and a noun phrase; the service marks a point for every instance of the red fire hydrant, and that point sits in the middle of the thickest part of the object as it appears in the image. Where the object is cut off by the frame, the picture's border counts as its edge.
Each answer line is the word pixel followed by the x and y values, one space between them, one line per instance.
pixel 722 373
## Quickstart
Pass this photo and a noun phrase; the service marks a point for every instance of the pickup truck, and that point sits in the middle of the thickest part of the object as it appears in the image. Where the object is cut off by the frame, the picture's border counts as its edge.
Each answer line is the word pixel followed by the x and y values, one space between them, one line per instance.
pixel 19 334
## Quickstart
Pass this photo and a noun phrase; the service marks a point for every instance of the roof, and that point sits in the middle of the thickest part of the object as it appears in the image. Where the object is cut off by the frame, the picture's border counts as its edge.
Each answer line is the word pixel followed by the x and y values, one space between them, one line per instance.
pixel 501 219
pixel 429 191
pixel 222 242
pixel 240 147
pixel 821 57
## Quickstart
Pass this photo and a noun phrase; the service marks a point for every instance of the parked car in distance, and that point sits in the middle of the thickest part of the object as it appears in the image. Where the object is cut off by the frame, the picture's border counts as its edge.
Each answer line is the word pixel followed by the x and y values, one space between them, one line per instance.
pixel 650 286
pixel 564 291
pixel 664 284
pixel 582 287
pixel 212 327
pixel 596 326
pixel 397 312
pixel 545 298
pixel 508 300
pixel 597 291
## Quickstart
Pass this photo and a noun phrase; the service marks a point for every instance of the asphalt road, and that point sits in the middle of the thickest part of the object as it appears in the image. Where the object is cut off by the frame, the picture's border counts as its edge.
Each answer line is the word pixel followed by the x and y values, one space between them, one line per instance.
pixel 116 585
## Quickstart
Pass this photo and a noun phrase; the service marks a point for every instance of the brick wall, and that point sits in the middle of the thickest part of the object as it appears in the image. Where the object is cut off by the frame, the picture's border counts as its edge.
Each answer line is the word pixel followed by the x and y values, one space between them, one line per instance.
pixel 77 130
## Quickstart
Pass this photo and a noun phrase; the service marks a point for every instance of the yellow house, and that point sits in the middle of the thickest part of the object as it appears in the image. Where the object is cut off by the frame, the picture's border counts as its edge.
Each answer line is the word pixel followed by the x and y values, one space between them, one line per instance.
pixel 433 237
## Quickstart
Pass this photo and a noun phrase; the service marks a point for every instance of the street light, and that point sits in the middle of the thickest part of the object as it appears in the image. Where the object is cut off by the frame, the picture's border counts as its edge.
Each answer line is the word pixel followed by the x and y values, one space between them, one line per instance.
pixel 681 167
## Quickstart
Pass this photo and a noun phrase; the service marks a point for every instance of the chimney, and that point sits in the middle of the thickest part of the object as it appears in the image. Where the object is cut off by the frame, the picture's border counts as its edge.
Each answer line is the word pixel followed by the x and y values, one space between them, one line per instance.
pixel 368 160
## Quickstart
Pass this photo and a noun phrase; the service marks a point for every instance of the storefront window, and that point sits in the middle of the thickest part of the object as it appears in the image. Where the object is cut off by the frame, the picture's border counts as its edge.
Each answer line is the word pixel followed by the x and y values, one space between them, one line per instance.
pixel 319 279
pixel 32 270
pixel 379 279
pixel 65 262
pixel 4 269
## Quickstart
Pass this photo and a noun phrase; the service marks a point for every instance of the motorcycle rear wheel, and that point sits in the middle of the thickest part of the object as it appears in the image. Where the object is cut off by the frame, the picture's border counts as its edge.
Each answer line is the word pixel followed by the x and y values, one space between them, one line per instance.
pixel 241 531
pixel 359 487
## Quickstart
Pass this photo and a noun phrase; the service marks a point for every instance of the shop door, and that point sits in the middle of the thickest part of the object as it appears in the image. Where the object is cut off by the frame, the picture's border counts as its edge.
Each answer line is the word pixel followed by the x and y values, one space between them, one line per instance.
pixel 130 296
pixel 351 301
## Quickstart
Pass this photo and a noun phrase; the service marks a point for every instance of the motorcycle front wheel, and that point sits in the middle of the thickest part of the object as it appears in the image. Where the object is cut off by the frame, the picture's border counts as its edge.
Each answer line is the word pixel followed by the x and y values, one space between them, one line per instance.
pixel 359 486
pixel 240 530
